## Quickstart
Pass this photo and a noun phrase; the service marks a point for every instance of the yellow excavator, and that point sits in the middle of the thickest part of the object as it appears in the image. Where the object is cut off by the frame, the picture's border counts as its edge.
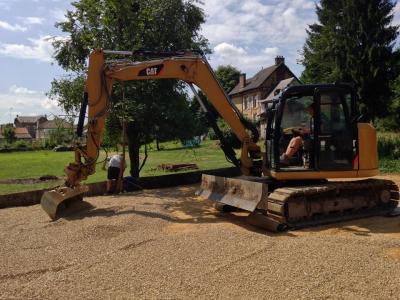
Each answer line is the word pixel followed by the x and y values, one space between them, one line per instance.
pixel 278 194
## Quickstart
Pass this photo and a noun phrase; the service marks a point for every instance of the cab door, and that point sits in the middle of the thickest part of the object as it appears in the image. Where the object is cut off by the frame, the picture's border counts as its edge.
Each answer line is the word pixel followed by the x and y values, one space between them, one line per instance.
pixel 334 134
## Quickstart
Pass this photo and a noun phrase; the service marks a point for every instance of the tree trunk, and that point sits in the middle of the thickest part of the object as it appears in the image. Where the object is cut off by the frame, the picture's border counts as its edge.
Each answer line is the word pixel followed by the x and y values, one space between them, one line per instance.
pixel 157 144
pixel 133 148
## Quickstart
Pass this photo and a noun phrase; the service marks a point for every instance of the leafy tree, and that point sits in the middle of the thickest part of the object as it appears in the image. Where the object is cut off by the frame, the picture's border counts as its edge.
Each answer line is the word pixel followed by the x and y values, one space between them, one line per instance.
pixel 68 91
pixel 228 76
pixel 157 25
pixel 9 134
pixel 354 41
pixel 62 134
pixel 392 121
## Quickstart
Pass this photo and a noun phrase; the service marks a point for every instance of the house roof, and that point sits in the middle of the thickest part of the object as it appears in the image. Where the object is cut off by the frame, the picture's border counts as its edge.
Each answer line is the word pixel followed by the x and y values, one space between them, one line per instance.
pixel 255 81
pixel 280 86
pixel 22 133
pixel 29 119
pixel 54 124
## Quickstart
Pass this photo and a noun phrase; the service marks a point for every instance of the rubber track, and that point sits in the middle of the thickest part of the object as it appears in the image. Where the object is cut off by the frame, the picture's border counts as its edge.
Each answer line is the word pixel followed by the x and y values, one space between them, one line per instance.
pixel 330 202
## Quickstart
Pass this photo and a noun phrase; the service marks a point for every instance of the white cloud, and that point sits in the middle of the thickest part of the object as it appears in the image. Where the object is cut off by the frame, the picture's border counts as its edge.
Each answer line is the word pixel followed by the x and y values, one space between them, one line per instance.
pixel 237 21
pixel 241 58
pixel 8 26
pixel 260 28
pixel 226 50
pixel 23 101
pixel 396 10
pixel 58 15
pixel 18 90
pixel 255 7
pixel 49 104
pixel 271 51
pixel 40 49
pixel 33 20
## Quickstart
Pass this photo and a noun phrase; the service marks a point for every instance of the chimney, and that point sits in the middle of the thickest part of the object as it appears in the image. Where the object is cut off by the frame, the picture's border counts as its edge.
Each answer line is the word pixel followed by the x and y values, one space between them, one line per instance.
pixel 279 60
pixel 242 80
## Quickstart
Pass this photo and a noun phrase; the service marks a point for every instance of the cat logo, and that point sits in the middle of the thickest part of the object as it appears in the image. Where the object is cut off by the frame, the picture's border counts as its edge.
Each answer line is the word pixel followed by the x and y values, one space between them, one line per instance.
pixel 151 71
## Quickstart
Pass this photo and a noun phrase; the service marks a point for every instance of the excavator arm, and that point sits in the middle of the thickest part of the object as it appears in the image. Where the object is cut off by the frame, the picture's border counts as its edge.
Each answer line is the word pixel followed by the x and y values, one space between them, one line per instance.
pixel 192 68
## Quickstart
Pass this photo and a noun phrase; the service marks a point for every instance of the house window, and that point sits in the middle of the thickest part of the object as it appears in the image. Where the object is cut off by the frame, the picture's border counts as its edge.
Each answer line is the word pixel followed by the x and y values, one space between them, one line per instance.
pixel 245 104
pixel 255 101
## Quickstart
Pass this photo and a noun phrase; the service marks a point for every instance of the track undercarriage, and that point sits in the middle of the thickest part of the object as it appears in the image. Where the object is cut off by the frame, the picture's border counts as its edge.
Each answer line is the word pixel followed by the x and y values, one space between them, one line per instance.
pixel 298 206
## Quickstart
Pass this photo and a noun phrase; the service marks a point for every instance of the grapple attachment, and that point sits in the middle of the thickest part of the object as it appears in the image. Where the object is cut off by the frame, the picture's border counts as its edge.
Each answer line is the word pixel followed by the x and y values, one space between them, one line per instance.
pixel 239 193
pixel 54 200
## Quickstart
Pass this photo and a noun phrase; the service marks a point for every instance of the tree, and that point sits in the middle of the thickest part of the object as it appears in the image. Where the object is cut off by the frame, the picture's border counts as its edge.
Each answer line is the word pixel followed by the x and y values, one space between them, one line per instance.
pixel 127 25
pixel 228 76
pixel 354 41
pixel 68 92
pixel 9 134
pixel 392 121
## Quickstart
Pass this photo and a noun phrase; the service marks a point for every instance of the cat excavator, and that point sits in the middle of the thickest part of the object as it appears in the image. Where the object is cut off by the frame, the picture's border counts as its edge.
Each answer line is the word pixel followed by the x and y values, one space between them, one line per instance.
pixel 278 195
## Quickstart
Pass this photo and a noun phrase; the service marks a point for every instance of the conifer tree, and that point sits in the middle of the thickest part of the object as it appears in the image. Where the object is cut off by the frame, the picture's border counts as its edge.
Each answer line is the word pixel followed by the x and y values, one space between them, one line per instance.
pixel 354 42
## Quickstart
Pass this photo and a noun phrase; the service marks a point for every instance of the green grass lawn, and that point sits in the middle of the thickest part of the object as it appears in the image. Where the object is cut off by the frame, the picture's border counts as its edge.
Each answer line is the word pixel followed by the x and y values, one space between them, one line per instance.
pixel 38 163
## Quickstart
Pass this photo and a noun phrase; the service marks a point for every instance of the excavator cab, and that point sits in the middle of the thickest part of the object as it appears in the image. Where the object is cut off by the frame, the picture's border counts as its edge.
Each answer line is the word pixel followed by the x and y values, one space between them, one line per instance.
pixel 322 118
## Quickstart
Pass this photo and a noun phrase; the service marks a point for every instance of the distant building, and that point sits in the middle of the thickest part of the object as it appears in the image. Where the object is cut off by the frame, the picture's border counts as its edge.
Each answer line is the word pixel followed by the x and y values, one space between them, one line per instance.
pixel 246 95
pixel 39 127
pixel 20 134
pixel 46 128
pixel 31 123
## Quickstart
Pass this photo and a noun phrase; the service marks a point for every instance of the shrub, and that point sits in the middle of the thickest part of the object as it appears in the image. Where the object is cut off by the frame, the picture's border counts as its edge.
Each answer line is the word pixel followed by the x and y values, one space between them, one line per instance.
pixel 389 145
pixel 22 145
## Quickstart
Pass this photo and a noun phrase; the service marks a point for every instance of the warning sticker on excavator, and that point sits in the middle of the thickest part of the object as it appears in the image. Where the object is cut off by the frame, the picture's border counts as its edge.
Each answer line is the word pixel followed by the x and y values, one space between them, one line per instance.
pixel 151 71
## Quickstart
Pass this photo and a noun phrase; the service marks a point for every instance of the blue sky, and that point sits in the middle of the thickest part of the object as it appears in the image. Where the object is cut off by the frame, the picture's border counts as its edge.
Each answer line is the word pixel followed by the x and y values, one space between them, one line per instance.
pixel 245 33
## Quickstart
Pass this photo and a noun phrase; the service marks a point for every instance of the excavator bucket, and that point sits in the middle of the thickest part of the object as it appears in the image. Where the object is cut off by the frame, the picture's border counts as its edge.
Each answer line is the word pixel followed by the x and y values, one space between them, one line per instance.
pixel 239 193
pixel 54 201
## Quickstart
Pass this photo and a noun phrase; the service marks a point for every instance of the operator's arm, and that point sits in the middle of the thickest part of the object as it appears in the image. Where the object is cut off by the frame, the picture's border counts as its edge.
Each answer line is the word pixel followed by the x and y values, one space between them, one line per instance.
pixel 191 69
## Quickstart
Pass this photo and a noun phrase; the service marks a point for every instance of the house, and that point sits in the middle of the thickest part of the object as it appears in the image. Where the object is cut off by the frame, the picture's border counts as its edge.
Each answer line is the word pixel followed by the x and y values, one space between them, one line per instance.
pixel 246 95
pixel 39 127
pixel 283 84
pixel 31 123
pixel 20 134
pixel 46 128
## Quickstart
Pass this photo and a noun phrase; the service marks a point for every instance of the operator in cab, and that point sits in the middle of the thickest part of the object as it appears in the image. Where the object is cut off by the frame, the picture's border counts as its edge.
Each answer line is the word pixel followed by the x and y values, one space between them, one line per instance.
pixel 298 137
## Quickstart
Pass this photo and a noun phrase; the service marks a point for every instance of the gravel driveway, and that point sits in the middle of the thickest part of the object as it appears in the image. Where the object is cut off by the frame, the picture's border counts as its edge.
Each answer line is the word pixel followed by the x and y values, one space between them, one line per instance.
pixel 168 243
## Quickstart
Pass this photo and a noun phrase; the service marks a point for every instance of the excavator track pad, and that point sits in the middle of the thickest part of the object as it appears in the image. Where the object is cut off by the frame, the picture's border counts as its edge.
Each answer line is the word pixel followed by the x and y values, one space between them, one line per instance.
pixel 54 201
pixel 298 206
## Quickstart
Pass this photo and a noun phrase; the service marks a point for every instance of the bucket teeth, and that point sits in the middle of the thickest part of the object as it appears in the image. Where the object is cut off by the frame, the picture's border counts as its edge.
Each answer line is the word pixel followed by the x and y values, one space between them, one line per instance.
pixel 54 200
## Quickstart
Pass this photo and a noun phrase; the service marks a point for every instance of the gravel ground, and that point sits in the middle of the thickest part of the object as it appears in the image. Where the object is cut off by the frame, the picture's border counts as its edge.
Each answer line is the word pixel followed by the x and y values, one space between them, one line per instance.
pixel 170 244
